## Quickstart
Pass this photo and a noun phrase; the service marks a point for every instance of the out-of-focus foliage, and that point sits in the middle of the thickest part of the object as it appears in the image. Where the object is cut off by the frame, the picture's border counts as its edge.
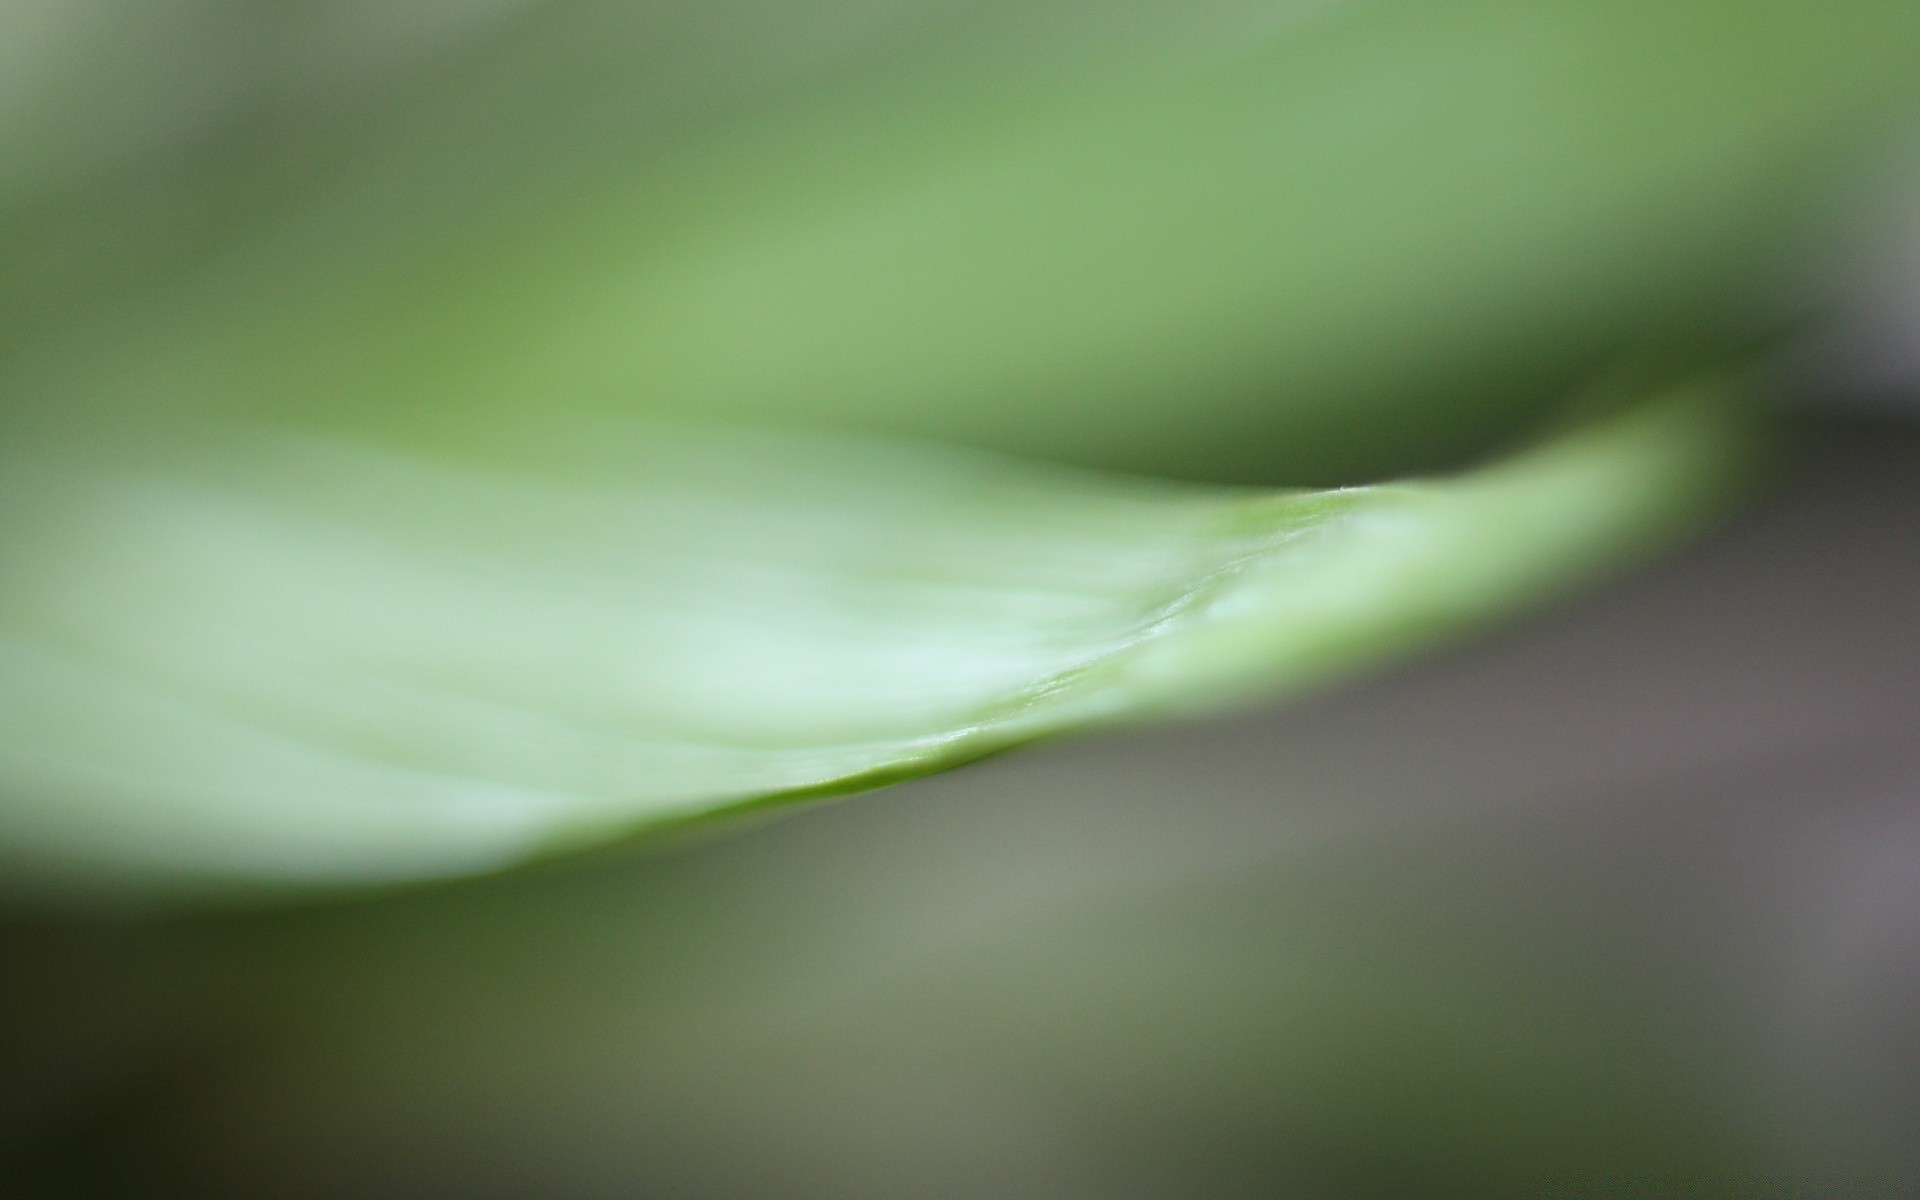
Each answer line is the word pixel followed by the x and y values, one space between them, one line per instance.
pixel 308 578
pixel 1288 243
pixel 139 136
pixel 438 433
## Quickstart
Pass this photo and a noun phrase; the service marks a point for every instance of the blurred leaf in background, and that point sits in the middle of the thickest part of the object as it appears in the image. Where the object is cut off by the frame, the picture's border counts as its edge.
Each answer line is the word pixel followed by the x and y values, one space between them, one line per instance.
pixel 1334 244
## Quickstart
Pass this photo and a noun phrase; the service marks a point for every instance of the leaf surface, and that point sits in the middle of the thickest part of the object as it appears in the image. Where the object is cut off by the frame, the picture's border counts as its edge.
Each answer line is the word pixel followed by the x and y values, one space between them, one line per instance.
pixel 244 659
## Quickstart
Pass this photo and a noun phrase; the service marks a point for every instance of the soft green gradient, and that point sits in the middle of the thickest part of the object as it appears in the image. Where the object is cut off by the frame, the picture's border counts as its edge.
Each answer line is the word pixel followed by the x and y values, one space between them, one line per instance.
pixel 265 660
pixel 1305 244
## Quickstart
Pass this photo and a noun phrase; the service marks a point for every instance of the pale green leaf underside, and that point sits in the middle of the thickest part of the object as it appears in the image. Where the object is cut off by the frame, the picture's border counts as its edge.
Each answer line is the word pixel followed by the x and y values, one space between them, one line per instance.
pixel 278 660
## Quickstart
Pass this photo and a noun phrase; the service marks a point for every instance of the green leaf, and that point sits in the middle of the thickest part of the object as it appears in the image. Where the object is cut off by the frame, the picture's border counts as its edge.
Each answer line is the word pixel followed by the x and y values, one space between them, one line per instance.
pixel 236 659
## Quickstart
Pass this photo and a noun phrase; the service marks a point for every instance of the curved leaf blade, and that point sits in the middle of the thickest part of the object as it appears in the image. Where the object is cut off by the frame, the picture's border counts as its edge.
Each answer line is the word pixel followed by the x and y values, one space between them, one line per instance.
pixel 264 660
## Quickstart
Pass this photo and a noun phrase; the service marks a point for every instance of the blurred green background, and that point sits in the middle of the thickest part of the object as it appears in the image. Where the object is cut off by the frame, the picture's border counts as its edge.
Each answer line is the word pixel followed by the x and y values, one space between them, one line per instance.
pixel 1620 901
